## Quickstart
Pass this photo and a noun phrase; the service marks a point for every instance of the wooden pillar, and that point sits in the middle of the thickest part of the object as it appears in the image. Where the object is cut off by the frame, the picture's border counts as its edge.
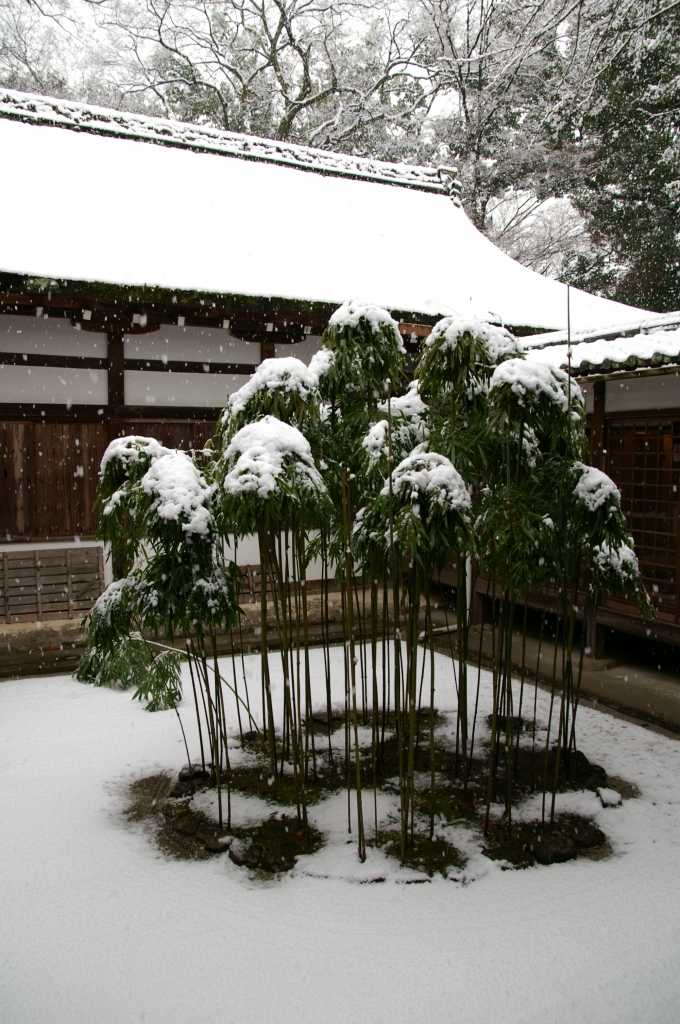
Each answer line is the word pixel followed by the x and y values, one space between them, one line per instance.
pixel 116 368
pixel 267 350
pixel 598 427
pixel 116 395
pixel 598 458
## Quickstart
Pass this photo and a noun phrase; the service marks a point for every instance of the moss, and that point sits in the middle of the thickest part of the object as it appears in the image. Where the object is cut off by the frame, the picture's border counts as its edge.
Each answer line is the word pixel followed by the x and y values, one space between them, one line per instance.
pixel 282 840
pixel 422 853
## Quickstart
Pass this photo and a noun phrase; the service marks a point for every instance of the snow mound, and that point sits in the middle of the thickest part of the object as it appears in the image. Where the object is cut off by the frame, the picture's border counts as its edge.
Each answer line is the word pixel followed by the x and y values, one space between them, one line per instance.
pixel 500 343
pixel 180 492
pixel 622 560
pixel 430 474
pixel 409 406
pixel 280 374
pixel 132 449
pixel 409 425
pixel 532 378
pixel 351 312
pixel 262 450
pixel 321 362
pixel 595 488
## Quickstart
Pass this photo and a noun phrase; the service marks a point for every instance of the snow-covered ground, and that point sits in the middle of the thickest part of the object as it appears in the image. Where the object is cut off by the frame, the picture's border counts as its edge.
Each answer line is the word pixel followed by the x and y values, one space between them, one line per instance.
pixel 97 926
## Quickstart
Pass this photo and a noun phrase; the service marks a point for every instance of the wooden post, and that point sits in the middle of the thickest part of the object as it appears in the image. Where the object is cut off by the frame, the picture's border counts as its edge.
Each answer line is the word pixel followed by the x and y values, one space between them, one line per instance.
pixel 477 613
pixel 69 583
pixel 38 585
pixel 116 367
pixel 598 427
pixel 598 458
pixel 5 559
pixel 267 350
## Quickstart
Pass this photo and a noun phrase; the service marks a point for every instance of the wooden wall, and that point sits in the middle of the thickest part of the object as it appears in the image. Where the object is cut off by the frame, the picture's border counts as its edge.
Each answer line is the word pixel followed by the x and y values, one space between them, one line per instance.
pixel 49 477
pixel 49 471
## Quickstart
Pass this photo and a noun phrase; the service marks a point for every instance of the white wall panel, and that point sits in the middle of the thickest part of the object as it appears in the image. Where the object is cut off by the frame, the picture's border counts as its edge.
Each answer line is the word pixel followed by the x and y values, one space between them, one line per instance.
pixel 40 336
pixel 304 350
pixel 192 343
pixel 50 386
pixel 659 392
pixel 161 387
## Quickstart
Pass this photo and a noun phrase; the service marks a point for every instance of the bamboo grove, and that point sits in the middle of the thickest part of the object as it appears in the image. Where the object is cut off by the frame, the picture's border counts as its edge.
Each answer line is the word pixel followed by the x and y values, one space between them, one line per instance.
pixel 479 464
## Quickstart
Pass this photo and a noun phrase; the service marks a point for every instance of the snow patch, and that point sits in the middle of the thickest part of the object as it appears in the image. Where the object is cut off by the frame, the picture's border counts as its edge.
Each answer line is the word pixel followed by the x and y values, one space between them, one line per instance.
pixel 180 492
pixel 351 312
pixel 431 474
pixel 279 374
pixel 500 344
pixel 261 450
pixel 532 378
pixel 595 488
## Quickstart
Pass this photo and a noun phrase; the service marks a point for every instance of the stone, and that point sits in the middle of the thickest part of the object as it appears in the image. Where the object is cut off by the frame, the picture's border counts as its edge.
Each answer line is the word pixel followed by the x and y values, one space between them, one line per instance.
pixel 181 790
pixel 194 773
pixel 514 853
pixel 585 835
pixel 277 862
pixel 609 797
pixel 214 839
pixel 583 773
pixel 245 855
pixel 552 848
pixel 186 824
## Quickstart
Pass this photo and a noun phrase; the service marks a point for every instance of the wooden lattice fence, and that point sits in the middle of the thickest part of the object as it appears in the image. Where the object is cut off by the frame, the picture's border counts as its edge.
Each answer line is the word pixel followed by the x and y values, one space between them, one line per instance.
pixel 58 583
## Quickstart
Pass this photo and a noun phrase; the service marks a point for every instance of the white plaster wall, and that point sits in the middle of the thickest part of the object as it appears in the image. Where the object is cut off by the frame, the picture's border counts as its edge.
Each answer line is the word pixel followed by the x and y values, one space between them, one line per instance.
pixel 42 336
pixel 48 385
pixel 587 390
pixel 248 553
pixel 161 387
pixel 192 343
pixel 659 392
pixel 303 350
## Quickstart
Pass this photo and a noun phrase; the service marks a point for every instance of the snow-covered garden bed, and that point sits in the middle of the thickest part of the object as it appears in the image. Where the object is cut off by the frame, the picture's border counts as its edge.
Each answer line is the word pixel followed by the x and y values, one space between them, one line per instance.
pixel 98 924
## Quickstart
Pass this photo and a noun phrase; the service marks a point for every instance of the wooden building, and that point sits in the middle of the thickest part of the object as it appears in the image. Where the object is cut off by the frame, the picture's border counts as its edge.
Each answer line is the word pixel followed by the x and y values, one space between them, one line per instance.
pixel 147 266
pixel 630 378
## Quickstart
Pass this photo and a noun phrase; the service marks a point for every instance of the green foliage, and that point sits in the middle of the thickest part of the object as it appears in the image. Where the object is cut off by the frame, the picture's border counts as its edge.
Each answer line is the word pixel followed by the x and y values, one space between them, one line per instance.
pixel 160 686
pixel 367 351
pixel 124 465
pixel 122 663
pixel 628 190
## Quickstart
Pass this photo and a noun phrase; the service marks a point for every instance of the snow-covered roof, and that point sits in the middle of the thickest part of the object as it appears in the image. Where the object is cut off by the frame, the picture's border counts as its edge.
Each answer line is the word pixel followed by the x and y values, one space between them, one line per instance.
pixel 602 357
pixel 93 198
pixel 639 325
pixel 43 110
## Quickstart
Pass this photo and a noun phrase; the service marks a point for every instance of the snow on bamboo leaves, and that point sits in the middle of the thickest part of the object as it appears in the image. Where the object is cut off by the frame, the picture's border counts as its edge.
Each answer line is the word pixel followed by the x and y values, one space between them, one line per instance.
pixel 477 467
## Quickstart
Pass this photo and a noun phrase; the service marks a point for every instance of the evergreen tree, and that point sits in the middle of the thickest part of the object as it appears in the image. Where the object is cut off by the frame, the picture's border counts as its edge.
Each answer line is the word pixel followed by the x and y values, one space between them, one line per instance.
pixel 630 189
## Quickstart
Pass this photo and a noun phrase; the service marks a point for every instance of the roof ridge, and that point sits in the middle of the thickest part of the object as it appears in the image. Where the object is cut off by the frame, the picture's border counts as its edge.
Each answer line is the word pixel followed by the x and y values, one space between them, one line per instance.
pixel 46 110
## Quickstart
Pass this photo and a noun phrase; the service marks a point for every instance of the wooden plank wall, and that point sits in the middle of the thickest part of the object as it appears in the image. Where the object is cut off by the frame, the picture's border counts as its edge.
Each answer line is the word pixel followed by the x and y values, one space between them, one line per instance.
pixel 58 583
pixel 48 472
pixel 49 478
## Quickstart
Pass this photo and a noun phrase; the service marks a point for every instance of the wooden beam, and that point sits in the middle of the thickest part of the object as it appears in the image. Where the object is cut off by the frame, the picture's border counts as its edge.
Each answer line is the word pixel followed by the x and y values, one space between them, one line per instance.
pixel 44 413
pixel 94 363
pixel 116 367
pixel 189 366
pixel 59 362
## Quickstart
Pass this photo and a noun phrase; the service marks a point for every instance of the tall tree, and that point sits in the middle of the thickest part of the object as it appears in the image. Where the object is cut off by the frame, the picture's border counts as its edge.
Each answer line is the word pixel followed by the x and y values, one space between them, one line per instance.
pixel 499 65
pixel 628 129
pixel 334 75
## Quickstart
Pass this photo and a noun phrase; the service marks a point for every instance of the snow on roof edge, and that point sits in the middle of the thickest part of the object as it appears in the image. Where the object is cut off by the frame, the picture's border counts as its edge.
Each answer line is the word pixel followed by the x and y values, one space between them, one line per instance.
pixel 45 110
pixel 642 326
pixel 656 352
